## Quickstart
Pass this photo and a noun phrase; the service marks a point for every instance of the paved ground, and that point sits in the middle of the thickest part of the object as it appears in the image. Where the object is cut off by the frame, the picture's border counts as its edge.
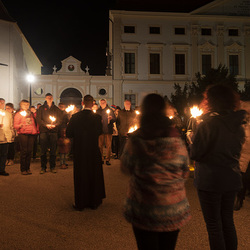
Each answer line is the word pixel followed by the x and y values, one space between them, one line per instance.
pixel 36 213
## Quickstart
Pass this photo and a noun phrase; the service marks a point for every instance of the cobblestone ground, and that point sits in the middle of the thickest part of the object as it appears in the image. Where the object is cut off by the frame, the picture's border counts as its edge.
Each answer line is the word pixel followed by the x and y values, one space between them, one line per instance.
pixel 36 213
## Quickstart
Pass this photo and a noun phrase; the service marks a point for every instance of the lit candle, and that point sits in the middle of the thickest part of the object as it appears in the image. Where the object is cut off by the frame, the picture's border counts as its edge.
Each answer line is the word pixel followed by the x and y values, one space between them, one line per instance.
pixel 52 118
pixel 23 113
pixel 195 111
pixel 94 110
pixel 2 114
pixel 170 117
pixel 70 108
pixel 137 112
pixel 108 111
pixel 132 129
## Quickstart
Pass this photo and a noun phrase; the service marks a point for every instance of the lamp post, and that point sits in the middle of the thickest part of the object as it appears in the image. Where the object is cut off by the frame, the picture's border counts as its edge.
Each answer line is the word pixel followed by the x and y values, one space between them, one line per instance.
pixel 30 79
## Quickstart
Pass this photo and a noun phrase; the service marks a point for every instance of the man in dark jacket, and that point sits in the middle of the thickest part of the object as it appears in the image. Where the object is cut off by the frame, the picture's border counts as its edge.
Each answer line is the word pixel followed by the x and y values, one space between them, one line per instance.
pixel 108 118
pixel 49 118
pixel 125 120
pixel 85 127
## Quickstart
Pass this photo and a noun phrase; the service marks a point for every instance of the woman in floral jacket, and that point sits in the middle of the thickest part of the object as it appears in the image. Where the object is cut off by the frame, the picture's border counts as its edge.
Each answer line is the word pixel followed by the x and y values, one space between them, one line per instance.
pixel 156 159
pixel 24 123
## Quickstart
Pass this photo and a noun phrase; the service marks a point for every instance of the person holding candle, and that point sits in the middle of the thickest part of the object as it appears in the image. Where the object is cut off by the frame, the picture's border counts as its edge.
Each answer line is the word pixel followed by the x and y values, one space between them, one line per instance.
pixel 25 125
pixel 125 120
pixel 6 135
pixel 216 149
pixel 156 160
pixel 49 118
pixel 108 118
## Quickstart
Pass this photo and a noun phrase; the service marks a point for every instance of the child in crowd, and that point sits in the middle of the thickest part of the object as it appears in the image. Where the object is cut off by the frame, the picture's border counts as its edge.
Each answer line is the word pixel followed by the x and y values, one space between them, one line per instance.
pixel 64 148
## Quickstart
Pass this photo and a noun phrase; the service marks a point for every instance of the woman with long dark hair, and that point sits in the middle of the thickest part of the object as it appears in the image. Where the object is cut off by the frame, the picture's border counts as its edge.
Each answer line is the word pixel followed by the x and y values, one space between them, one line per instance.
pixel 155 157
pixel 216 149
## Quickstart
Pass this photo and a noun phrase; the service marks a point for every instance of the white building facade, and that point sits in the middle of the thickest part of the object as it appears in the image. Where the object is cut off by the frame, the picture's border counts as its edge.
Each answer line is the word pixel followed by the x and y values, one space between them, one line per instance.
pixel 151 51
pixel 17 60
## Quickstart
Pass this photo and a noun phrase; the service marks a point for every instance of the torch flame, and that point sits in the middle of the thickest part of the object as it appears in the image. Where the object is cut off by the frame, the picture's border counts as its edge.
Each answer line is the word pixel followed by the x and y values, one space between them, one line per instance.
pixel 70 108
pixel 52 118
pixel 195 111
pixel 23 113
pixel 132 129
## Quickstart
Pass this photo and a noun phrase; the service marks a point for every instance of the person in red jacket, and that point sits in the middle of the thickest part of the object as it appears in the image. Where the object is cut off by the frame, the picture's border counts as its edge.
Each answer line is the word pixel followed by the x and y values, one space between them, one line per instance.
pixel 24 123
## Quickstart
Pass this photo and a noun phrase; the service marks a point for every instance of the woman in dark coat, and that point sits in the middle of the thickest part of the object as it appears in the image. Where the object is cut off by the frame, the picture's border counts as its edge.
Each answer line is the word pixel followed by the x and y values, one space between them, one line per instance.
pixel 216 149
pixel 85 127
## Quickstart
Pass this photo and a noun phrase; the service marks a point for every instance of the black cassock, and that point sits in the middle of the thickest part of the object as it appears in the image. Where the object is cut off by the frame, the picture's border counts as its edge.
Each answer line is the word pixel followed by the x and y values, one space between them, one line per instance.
pixel 85 127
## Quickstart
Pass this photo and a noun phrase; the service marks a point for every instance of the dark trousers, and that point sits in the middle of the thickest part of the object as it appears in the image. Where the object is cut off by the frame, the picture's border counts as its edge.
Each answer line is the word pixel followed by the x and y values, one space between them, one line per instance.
pixel 217 209
pixel 122 142
pixel 3 155
pixel 48 141
pixel 115 144
pixel 35 147
pixel 26 145
pixel 11 151
pixel 150 240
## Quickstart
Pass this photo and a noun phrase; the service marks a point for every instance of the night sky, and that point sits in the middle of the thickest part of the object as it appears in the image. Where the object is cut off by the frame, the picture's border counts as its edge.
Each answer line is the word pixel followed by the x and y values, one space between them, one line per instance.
pixel 58 29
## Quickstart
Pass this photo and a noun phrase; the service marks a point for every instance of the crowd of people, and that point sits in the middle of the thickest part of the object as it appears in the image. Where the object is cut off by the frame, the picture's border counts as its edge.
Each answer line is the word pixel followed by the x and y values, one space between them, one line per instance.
pixel 155 155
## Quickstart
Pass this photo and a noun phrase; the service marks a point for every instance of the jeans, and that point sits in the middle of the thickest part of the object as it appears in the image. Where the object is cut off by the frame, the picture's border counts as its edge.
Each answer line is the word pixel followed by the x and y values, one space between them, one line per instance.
pixel 26 145
pixel 217 209
pixel 3 155
pixel 48 141
pixel 105 139
pixel 150 240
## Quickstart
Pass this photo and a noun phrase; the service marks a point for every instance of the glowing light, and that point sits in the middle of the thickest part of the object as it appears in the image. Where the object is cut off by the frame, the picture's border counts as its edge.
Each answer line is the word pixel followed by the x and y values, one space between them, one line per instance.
pixel 137 112
pixel 23 113
pixel 195 111
pixel 70 108
pixel 2 115
pixel 108 111
pixel 94 110
pixel 170 117
pixel 30 78
pixel 52 118
pixel 132 129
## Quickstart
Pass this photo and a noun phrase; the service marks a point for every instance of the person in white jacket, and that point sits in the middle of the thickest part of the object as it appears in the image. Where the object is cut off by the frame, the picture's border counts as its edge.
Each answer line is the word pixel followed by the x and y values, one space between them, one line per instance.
pixel 6 135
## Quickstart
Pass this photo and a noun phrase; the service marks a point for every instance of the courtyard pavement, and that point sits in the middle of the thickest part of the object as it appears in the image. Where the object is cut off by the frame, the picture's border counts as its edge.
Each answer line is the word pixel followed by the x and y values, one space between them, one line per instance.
pixel 36 213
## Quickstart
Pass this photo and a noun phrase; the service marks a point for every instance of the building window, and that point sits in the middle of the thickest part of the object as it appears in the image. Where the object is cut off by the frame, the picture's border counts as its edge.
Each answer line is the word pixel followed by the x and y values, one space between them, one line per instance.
pixel 129 63
pixel 102 92
pixel 233 32
pixel 234 64
pixel 129 29
pixel 154 30
pixel 179 31
pixel 131 98
pixel 206 32
pixel 154 63
pixel 206 63
pixel 179 64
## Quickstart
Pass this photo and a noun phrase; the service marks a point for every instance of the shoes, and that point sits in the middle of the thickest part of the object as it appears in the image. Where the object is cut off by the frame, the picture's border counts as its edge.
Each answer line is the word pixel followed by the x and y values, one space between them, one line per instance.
pixel 238 203
pixel 42 171
pixel 63 166
pixel 108 163
pixel 94 207
pixel 116 157
pixel 4 173
pixel 24 173
pixel 76 208
pixel 53 171
pixel 28 171
pixel 9 163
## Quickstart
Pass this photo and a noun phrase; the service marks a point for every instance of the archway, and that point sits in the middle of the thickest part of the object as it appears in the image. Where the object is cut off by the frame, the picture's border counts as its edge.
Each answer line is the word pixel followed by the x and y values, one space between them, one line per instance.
pixel 71 96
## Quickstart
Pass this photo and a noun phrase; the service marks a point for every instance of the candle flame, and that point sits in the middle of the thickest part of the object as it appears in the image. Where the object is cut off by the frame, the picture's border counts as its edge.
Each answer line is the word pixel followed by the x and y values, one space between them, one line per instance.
pixel 23 113
pixel 94 110
pixel 132 129
pixel 52 118
pixel 170 117
pixel 2 113
pixel 108 111
pixel 195 111
pixel 137 112
pixel 70 108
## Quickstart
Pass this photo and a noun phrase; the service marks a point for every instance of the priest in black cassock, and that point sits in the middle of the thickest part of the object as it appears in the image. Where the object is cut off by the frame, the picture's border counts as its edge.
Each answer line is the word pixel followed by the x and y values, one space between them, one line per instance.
pixel 85 127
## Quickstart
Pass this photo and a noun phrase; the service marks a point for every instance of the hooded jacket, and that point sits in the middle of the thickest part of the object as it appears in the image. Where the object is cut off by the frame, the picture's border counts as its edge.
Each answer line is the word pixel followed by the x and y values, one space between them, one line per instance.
pixel 216 149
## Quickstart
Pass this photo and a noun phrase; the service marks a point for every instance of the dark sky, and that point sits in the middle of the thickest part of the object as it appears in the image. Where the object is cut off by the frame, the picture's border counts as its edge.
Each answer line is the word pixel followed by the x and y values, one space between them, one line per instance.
pixel 57 29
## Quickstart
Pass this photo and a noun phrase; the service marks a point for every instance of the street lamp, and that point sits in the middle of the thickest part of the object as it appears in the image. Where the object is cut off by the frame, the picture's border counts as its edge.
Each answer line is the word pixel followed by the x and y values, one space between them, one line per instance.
pixel 30 78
